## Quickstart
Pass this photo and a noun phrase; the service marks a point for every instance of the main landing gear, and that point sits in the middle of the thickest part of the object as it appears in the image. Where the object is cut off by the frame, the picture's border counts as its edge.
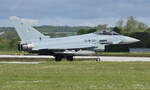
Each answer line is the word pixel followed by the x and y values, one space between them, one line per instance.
pixel 59 58
pixel 69 58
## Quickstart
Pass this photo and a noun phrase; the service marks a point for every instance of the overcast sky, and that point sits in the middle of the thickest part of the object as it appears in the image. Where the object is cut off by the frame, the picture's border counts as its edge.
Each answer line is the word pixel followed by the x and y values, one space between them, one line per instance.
pixel 74 12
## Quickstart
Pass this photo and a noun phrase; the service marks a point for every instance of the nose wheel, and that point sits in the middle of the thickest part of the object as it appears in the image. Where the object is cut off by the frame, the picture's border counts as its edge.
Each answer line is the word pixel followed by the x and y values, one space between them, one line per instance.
pixel 98 59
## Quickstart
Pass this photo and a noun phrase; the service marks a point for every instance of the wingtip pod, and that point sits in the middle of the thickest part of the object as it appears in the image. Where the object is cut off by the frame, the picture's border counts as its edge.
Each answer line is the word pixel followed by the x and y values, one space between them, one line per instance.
pixel 14 18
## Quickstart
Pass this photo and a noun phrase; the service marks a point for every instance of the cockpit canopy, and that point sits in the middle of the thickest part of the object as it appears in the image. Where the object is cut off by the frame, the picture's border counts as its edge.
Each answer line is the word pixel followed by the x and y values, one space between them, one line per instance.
pixel 106 32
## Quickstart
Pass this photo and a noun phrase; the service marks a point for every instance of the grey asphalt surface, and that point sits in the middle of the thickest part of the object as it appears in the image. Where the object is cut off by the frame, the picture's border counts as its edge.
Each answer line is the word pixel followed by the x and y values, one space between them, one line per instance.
pixel 103 58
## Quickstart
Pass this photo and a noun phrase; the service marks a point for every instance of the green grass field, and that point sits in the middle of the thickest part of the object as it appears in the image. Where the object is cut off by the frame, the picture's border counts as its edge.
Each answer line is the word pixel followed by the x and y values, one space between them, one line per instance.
pixel 76 75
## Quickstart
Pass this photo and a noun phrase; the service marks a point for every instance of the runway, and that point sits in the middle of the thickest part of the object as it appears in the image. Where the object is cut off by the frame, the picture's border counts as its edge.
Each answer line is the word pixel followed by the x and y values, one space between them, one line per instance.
pixel 103 58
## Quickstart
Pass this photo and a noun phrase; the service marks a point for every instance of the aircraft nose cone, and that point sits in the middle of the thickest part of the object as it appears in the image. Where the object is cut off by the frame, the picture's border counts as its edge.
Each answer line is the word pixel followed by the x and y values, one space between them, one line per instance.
pixel 129 40
pixel 135 40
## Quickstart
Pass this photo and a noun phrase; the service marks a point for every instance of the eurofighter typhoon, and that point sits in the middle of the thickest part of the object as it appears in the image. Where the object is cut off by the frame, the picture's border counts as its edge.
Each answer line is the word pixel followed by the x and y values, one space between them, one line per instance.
pixel 33 41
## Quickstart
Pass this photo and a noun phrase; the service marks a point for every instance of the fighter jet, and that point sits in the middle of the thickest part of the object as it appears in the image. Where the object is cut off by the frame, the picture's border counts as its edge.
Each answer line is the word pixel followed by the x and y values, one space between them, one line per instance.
pixel 65 47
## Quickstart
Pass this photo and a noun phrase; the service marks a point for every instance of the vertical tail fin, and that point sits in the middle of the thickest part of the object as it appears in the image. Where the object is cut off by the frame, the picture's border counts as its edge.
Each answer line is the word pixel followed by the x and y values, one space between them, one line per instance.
pixel 25 31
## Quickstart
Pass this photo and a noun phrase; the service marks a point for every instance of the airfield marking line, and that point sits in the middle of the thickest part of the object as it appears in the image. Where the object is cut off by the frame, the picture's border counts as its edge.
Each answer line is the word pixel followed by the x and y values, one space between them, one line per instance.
pixel 20 62
pixel 25 56
pixel 103 58
pixel 113 58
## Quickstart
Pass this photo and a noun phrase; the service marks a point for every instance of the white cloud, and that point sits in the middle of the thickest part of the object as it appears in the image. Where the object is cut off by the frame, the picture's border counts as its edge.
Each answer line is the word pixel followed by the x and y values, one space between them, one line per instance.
pixel 4 22
pixel 146 20
pixel 77 22
pixel 110 21
pixel 7 22
pixel 79 9
pixel 31 22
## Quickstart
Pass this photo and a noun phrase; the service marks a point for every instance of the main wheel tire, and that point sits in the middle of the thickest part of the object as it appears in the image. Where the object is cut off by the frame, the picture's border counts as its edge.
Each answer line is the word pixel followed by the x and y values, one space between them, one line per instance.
pixel 69 58
pixel 58 58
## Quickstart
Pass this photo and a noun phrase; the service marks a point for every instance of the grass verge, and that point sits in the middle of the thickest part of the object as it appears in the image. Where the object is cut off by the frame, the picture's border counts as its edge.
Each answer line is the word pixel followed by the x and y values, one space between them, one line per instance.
pixel 76 75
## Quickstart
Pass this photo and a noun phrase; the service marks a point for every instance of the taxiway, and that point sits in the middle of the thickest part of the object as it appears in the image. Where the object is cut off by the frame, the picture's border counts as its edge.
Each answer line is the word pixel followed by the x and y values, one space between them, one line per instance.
pixel 103 58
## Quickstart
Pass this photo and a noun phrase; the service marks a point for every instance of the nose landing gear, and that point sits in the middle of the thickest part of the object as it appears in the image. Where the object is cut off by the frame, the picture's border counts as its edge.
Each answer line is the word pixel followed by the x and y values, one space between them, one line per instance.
pixel 98 59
